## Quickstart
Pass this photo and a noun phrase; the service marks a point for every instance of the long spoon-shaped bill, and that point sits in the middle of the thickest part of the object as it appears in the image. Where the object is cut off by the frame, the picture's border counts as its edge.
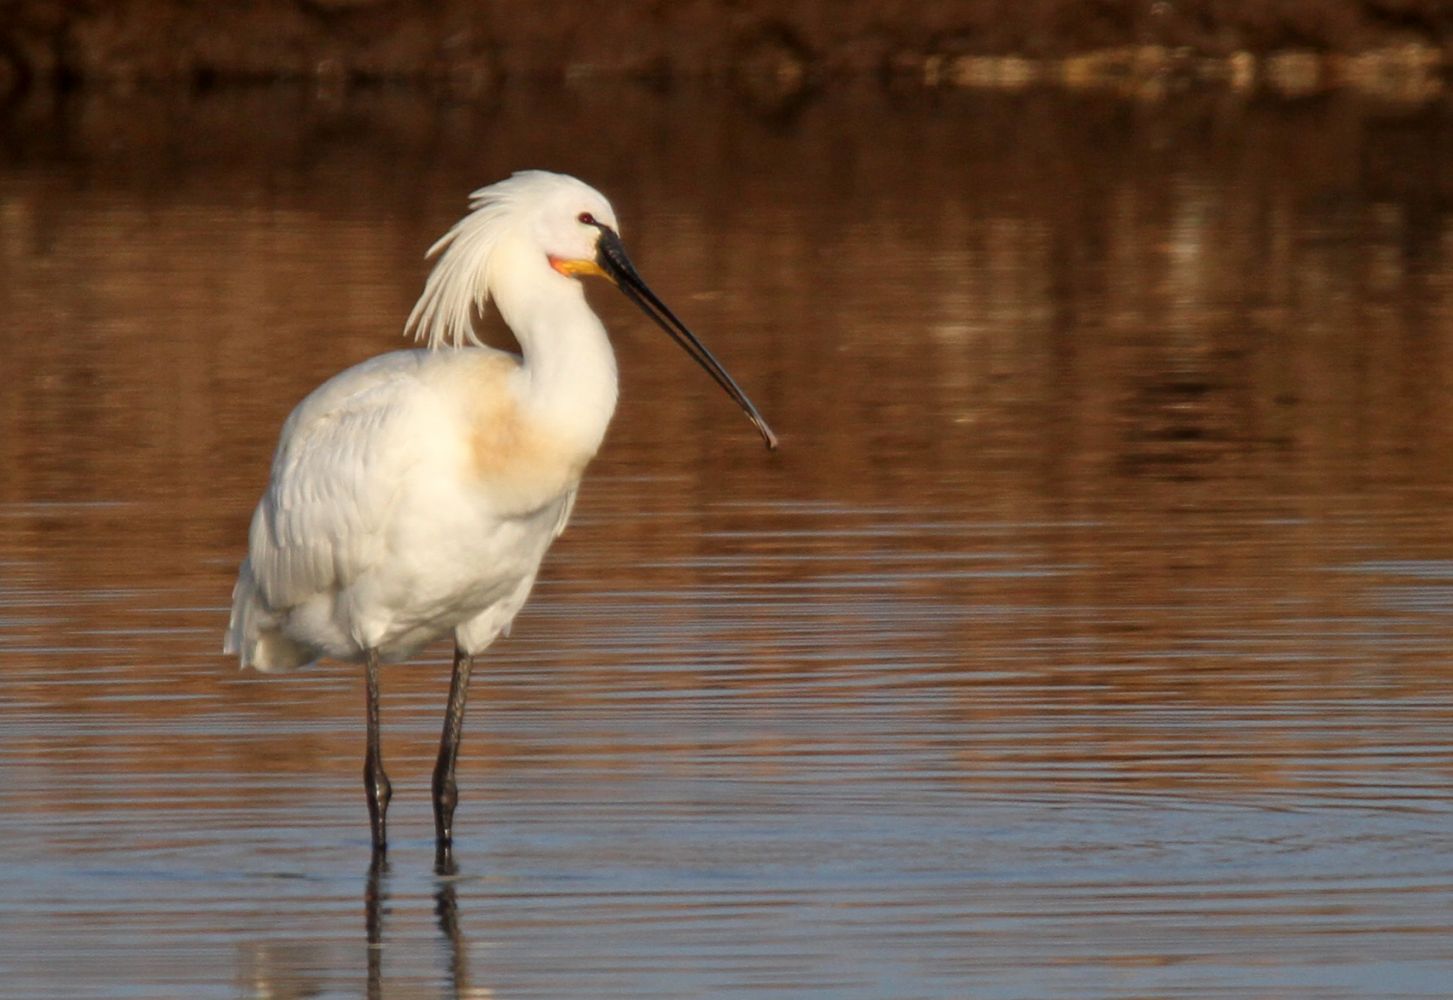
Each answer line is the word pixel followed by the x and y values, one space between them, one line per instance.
pixel 612 259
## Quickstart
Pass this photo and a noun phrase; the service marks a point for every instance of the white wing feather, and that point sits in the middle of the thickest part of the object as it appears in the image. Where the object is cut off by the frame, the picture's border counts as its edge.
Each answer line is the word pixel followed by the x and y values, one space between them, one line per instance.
pixel 342 461
pixel 335 480
pixel 565 509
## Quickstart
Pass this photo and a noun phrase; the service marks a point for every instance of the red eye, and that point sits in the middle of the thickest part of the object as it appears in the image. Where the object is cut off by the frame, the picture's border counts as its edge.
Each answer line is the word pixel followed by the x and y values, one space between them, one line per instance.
pixel 586 219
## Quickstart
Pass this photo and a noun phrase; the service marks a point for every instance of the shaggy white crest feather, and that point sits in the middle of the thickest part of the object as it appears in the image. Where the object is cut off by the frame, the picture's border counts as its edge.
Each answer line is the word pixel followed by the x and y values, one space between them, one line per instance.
pixel 458 287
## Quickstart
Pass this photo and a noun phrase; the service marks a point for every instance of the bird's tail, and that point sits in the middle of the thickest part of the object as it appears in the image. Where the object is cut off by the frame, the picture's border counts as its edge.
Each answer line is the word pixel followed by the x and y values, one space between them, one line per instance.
pixel 253 634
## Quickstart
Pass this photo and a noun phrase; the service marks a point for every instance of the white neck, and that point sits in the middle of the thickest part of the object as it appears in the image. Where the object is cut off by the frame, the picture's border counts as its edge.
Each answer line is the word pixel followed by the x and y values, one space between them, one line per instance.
pixel 568 382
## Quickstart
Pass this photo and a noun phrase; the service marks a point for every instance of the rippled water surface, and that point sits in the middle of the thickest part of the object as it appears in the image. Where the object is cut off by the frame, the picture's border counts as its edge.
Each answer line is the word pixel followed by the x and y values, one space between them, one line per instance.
pixel 1089 636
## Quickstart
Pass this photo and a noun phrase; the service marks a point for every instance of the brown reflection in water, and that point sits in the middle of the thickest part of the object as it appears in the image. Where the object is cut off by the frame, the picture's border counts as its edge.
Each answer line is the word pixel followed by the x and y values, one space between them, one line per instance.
pixel 1187 360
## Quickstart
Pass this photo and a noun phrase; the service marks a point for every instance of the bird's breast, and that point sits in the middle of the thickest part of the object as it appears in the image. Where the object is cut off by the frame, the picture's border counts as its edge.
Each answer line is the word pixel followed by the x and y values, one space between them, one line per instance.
pixel 521 464
pixel 514 456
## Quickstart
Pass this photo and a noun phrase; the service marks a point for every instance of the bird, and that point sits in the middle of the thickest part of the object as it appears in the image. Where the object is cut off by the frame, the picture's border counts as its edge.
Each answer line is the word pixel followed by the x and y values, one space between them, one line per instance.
pixel 414 495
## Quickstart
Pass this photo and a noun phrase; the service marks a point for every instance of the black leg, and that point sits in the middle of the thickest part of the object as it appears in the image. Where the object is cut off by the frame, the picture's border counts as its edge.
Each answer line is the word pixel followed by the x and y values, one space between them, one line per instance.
pixel 446 792
pixel 375 782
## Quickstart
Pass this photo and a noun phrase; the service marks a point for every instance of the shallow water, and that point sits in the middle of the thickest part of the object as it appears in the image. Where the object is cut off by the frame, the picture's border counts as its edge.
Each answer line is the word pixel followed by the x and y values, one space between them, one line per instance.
pixel 1089 636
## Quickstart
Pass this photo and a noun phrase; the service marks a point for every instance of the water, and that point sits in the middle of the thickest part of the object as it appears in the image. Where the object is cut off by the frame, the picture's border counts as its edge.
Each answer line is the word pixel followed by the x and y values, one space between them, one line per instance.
pixel 1089 636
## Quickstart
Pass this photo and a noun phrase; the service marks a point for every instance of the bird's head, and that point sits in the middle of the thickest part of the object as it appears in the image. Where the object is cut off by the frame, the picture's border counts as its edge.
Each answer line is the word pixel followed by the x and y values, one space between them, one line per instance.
pixel 536 218
pixel 568 222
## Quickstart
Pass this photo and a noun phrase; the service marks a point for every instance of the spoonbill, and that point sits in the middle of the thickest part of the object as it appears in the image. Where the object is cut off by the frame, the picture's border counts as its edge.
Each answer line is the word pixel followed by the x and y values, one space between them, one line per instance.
pixel 413 496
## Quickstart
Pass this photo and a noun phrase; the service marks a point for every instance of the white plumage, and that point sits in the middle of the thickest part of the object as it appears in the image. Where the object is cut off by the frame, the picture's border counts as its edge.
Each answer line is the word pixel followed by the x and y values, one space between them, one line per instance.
pixel 376 532
pixel 413 496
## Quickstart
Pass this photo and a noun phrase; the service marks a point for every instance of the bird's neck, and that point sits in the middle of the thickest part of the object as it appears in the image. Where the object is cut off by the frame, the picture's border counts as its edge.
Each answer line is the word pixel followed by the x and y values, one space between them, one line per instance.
pixel 568 382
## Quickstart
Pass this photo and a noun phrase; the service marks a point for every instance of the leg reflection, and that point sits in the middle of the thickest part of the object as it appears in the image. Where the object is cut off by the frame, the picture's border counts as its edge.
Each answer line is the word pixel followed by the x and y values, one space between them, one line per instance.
pixel 374 898
pixel 446 908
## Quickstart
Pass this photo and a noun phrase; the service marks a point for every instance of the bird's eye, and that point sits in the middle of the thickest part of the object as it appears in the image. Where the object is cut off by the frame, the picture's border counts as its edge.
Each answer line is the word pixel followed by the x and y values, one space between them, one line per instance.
pixel 586 219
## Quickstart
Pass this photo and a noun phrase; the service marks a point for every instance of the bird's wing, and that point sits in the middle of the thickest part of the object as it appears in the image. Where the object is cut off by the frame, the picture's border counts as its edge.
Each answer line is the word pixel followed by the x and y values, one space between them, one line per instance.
pixel 566 507
pixel 341 464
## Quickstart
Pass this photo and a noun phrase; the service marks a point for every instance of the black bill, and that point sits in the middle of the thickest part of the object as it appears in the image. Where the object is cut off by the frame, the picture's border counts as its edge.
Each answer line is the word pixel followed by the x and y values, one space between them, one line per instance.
pixel 611 256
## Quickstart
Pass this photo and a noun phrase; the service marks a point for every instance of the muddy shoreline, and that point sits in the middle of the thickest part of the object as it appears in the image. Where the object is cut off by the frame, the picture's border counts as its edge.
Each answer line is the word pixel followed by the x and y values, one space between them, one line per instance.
pixel 1403 48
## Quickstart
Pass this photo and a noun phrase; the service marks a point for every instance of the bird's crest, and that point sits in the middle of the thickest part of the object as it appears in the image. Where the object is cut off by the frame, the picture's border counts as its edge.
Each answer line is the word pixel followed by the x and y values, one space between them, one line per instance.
pixel 457 288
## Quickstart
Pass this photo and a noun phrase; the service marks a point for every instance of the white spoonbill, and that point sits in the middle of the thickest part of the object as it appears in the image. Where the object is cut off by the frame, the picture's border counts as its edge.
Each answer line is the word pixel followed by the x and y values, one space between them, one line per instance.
pixel 414 495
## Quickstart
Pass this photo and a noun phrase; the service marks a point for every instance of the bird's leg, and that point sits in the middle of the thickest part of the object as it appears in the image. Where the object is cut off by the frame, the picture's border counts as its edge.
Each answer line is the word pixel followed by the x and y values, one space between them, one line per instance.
pixel 446 792
pixel 375 782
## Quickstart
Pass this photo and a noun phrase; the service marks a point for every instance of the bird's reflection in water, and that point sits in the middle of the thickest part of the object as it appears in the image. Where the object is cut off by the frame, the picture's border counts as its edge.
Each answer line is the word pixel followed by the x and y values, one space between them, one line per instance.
pixel 373 900
pixel 446 911
pixel 282 970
